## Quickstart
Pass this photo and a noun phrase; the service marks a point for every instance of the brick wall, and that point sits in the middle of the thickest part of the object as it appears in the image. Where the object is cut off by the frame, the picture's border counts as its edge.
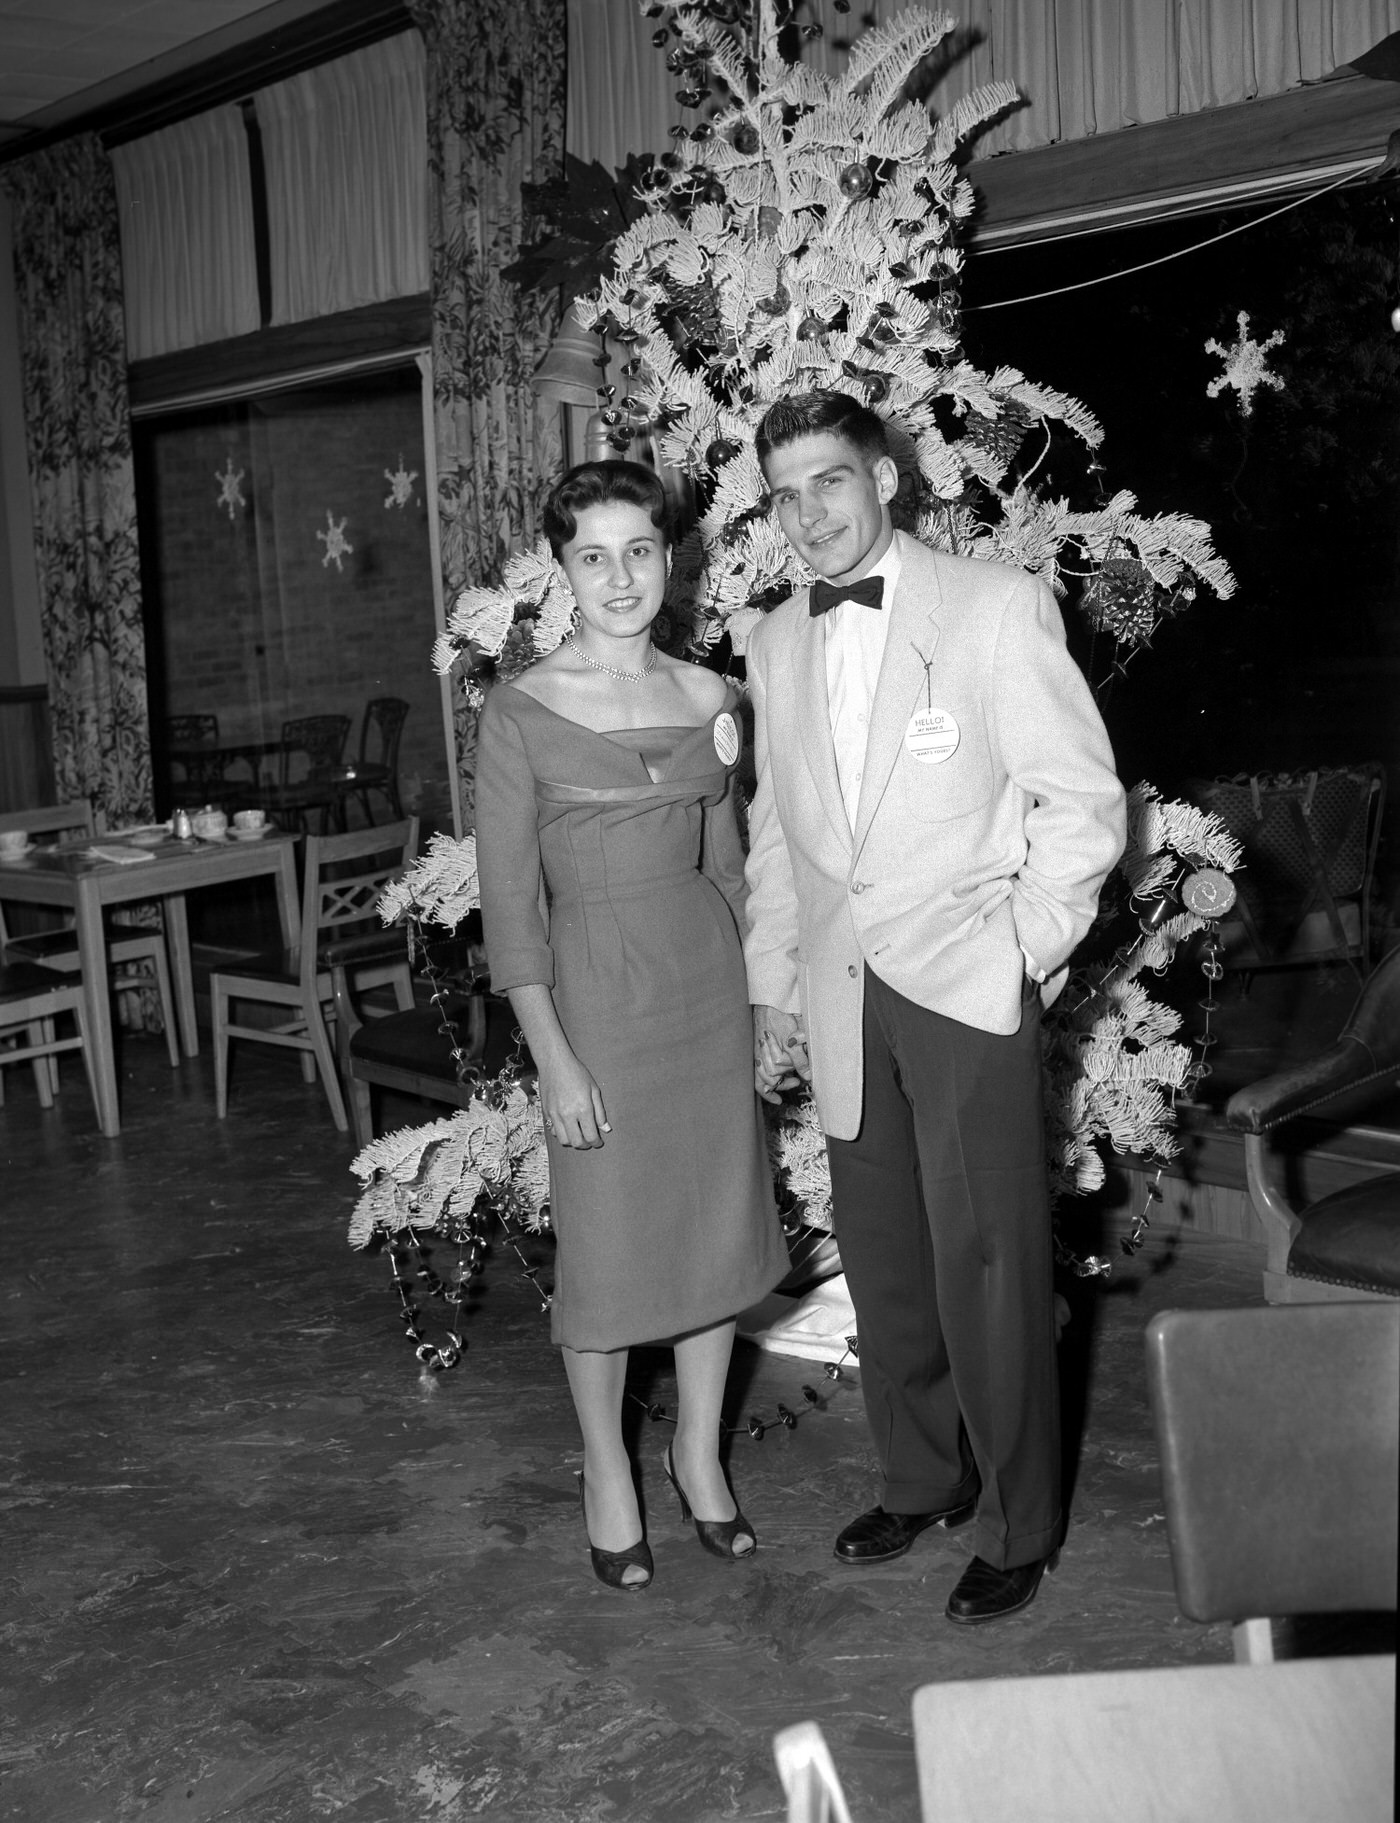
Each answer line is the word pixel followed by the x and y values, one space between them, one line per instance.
pixel 247 618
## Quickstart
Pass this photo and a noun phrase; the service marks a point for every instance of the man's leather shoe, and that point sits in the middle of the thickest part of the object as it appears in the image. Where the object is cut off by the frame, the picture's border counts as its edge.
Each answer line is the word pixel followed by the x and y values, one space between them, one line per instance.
pixel 986 1593
pixel 877 1536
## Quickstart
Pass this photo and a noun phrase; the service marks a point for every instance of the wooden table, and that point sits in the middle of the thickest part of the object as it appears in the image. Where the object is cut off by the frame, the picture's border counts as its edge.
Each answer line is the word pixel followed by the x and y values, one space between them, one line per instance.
pixel 66 876
pixel 1298 1741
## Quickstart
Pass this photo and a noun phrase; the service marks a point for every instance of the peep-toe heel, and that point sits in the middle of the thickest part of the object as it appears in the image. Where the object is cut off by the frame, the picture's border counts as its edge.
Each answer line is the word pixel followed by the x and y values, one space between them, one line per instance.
pixel 608 1566
pixel 716 1535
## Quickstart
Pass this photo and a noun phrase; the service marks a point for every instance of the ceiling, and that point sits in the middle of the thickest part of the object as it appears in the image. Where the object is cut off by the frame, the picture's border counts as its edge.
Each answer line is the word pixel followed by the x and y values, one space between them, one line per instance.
pixel 64 61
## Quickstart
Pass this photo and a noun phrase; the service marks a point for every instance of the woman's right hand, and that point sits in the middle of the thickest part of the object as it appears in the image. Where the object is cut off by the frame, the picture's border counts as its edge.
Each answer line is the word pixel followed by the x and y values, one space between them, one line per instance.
pixel 572 1103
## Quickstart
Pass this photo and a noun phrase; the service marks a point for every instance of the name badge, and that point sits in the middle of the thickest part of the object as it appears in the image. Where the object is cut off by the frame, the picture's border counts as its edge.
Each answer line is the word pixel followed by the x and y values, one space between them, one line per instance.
pixel 931 737
pixel 726 738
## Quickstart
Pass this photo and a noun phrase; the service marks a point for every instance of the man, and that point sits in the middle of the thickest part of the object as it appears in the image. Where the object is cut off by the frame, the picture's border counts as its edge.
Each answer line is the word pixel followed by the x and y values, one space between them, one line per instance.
pixel 936 811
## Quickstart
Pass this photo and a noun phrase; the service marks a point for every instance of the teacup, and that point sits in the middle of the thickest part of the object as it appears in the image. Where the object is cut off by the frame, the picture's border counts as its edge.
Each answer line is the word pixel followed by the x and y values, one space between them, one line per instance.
pixel 209 825
pixel 249 819
pixel 13 843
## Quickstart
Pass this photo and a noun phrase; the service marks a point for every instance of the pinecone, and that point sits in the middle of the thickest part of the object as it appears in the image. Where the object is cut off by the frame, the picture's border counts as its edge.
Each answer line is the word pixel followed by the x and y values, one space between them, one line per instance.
pixel 1000 437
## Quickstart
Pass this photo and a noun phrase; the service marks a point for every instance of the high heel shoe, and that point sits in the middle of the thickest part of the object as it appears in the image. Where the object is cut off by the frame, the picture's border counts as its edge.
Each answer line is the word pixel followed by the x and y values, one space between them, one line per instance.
pixel 608 1566
pixel 716 1535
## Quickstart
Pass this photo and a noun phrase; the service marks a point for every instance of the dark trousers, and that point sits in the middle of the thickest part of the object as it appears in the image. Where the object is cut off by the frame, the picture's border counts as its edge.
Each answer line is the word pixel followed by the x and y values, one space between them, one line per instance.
pixel 942 1214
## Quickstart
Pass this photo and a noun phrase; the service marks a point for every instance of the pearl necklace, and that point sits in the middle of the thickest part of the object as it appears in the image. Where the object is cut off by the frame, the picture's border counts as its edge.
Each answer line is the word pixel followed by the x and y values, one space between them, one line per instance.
pixel 624 677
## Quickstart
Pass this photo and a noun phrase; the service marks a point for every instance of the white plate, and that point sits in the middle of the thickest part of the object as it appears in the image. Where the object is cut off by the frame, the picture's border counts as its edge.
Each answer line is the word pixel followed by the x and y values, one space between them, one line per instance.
pixel 250 835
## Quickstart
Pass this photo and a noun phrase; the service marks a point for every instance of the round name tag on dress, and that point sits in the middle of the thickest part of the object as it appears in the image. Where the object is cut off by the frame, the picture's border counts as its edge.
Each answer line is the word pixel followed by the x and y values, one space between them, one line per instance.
pixel 726 738
pixel 932 736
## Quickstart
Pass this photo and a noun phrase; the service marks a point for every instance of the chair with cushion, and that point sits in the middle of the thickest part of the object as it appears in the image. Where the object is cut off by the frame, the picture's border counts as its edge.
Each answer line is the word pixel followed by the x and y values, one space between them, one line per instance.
pixel 31 1000
pixel 1309 842
pixel 128 946
pixel 1279 1437
pixel 412 1051
pixel 340 930
pixel 1346 1245
pixel 377 768
pixel 310 751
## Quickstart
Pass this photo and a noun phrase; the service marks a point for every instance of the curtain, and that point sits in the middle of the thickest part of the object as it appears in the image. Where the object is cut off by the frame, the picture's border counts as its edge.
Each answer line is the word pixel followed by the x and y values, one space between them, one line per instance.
pixel 345 156
pixel 78 434
pixel 1084 67
pixel 495 121
pixel 185 204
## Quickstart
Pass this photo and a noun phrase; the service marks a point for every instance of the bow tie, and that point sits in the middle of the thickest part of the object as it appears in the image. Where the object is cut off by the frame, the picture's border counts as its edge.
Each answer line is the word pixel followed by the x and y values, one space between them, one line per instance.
pixel 869 591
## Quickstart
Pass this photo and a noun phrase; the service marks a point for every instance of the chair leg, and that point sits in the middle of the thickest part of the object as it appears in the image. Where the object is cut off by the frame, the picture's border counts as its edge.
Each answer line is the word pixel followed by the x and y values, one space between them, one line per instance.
pixel 41 1032
pixel 167 1004
pixel 330 1079
pixel 219 1002
pixel 361 1111
pixel 308 1066
pixel 89 1068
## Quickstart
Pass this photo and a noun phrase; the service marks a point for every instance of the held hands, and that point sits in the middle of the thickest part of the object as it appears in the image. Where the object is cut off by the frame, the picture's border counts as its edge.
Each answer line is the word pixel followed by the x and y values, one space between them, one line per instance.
pixel 572 1103
pixel 780 1058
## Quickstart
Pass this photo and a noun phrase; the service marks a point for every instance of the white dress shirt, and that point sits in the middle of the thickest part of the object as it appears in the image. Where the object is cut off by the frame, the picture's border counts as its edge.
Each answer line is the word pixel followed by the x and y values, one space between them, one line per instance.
pixel 855 649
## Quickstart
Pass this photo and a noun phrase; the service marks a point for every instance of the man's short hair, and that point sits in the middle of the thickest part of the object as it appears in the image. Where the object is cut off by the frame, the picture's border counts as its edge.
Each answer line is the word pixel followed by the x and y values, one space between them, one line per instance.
pixel 810 412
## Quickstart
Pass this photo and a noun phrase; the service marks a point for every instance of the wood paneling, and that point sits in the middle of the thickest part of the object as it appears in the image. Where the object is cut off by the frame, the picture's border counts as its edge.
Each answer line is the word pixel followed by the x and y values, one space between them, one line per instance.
pixel 26 757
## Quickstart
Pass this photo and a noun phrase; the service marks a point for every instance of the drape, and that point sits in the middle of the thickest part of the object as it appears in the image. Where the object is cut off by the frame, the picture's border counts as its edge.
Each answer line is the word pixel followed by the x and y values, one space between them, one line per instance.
pixel 495 121
pixel 78 434
pixel 1084 66
pixel 344 149
pixel 185 205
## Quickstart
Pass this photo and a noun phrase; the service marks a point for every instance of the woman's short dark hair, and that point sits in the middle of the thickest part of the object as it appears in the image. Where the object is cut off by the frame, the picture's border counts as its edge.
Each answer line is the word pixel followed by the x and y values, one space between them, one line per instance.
pixel 810 412
pixel 598 484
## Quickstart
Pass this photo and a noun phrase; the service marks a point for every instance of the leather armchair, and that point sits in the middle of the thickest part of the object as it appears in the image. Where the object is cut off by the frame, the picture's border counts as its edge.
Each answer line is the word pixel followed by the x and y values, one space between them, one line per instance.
pixel 1345 1245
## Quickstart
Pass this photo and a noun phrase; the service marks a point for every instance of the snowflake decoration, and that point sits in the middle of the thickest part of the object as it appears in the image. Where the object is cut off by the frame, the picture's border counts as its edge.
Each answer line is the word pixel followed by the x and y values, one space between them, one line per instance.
pixel 401 482
pixel 1245 367
pixel 230 493
pixel 336 543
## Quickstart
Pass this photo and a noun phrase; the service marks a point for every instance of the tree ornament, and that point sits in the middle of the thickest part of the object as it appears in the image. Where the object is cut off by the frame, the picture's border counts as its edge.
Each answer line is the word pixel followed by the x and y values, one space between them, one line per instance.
pixel 778 304
pixel 810 328
pixel 1208 893
pixel 1245 366
pixel 720 452
pixel 814 30
pixel 745 138
pixel 855 182
pixel 659 39
pixel 701 132
pixel 654 182
pixel 769 221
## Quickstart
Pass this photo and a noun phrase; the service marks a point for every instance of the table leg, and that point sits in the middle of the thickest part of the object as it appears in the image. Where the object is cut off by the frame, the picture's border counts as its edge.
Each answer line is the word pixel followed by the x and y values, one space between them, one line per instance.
pixel 92 950
pixel 177 939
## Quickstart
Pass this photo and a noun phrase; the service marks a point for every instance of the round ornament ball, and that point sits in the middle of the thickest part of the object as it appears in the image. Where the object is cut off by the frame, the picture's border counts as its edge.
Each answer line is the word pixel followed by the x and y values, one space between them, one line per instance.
pixel 769 221
pixel 810 328
pixel 855 182
pixel 720 452
pixel 745 139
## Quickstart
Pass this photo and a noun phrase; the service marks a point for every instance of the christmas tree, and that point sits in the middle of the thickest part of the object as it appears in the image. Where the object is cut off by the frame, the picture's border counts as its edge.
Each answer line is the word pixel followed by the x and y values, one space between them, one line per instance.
pixel 804 235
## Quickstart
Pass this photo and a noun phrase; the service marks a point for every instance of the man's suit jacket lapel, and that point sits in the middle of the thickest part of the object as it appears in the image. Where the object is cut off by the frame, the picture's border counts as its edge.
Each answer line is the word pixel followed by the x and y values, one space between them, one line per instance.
pixel 902 687
pixel 810 695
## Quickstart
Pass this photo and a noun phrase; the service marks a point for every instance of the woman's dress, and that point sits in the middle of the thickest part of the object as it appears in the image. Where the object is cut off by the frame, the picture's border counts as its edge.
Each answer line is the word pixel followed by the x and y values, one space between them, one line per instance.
pixel 612 872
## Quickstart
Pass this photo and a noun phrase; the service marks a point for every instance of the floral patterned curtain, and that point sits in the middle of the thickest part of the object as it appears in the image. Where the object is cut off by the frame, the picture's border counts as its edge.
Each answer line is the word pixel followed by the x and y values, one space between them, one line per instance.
pixel 78 431
pixel 495 122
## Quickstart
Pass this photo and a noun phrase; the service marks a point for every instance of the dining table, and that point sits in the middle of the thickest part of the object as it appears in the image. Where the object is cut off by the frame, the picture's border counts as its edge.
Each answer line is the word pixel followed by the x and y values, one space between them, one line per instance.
pixel 206 764
pixel 76 877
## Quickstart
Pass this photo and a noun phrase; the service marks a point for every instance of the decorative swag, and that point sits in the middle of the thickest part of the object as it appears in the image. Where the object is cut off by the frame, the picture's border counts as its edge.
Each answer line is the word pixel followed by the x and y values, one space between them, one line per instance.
pixel 495 122
pixel 78 433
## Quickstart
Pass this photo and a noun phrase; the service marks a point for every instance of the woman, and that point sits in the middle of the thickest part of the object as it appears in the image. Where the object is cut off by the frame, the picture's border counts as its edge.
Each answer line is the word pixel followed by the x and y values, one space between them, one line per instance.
pixel 605 779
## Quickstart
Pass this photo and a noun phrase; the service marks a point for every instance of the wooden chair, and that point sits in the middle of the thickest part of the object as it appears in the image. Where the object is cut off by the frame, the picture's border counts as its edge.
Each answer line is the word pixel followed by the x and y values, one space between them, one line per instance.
pixel 127 946
pixel 310 751
pixel 808 1776
pixel 1279 1437
pixel 31 1000
pixel 377 768
pixel 413 1051
pixel 1309 843
pixel 1347 1245
pixel 340 927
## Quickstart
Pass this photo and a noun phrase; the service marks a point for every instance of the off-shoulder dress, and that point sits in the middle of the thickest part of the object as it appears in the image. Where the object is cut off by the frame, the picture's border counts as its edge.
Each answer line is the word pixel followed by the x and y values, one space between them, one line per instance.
pixel 612 872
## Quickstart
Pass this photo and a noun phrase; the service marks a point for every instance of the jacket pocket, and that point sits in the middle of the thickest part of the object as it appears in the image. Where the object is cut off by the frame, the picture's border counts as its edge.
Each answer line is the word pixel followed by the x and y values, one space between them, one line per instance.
pixel 949 788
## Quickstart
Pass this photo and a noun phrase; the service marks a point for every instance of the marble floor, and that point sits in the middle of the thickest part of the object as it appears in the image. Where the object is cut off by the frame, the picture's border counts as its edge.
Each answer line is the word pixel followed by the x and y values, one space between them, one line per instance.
pixel 258 1567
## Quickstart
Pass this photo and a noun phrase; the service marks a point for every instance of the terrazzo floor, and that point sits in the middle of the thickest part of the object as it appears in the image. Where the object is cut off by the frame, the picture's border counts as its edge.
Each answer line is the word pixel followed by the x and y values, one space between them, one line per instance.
pixel 258 1567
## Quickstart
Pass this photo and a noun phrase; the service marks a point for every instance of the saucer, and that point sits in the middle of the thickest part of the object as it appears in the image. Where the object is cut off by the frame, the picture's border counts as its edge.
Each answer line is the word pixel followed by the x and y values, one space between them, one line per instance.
pixel 17 854
pixel 249 835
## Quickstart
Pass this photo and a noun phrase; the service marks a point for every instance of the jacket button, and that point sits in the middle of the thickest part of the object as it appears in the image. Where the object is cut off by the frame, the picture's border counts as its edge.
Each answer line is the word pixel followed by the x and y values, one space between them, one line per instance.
pixel 857 886
pixel 851 971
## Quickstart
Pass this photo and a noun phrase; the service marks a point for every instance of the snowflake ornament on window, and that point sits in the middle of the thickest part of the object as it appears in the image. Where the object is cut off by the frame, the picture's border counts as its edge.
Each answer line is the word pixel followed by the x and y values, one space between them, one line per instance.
pixel 401 482
pixel 1245 366
pixel 230 493
pixel 336 543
